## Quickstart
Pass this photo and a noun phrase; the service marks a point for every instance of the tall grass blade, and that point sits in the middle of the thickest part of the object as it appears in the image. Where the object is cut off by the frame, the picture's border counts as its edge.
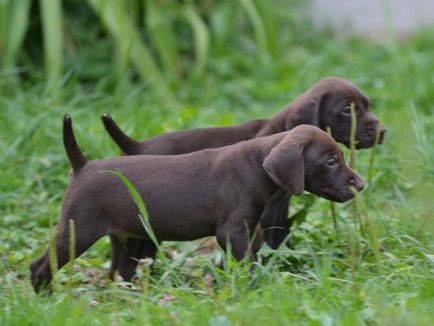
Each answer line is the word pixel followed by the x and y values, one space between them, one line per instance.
pixel 143 216
pixel 372 229
pixel 353 136
pixel 354 246
pixel 17 24
pixel 335 221
pixel 72 253
pixel 389 23
pixel 161 34
pixel 418 125
pixel 52 254
pixel 370 226
pixel 4 5
pixel 144 219
pixel 123 49
pixel 115 17
pixel 201 40
pixel 355 211
pixel 52 30
pixel 258 26
pixel 222 24
pixel 354 257
pixel 371 164
pixel 268 14
pixel 333 204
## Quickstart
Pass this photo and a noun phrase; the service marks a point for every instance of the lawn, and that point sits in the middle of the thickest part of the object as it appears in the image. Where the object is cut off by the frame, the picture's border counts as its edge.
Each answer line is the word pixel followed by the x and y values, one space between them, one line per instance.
pixel 319 281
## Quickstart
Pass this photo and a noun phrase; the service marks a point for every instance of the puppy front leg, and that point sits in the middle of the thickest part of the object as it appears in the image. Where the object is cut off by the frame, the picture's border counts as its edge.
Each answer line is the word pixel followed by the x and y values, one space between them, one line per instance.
pixel 274 220
pixel 85 236
pixel 239 236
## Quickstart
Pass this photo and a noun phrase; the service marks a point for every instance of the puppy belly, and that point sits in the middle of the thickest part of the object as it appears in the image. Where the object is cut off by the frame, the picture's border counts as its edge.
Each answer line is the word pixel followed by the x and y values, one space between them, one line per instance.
pixel 165 229
pixel 181 230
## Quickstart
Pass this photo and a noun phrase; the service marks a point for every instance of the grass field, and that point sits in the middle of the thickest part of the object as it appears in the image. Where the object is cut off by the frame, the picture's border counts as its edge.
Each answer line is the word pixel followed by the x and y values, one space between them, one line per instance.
pixel 318 282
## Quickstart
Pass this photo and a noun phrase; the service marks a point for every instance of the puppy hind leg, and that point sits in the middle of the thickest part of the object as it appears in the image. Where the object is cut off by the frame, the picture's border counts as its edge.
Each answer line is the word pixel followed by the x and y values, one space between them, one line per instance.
pixel 117 253
pixel 135 250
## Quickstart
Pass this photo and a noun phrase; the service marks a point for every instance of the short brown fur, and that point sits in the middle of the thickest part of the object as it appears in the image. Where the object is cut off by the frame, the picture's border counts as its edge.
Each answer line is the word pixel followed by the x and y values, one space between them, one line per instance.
pixel 326 104
pixel 219 192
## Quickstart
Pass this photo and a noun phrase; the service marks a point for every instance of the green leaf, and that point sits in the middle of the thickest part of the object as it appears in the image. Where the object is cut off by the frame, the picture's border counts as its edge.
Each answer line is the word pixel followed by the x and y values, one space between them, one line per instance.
pixel 201 39
pixel 143 216
pixel 159 25
pixel 17 24
pixel 115 16
pixel 52 30
pixel 258 26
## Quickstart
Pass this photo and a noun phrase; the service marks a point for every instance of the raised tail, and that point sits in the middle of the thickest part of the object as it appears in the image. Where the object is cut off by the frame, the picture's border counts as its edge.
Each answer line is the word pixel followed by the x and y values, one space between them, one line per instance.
pixel 75 156
pixel 128 145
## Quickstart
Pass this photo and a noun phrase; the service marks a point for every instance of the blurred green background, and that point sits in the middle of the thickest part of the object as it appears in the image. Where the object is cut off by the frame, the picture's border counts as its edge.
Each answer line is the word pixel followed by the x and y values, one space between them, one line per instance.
pixel 159 43
pixel 160 66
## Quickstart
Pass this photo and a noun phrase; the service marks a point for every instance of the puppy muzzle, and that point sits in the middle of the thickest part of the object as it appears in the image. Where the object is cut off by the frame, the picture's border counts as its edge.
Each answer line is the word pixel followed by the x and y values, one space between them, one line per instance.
pixel 367 137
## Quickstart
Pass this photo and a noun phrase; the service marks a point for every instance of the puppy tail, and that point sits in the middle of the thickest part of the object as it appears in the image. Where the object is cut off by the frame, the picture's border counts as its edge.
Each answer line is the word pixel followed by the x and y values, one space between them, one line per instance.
pixel 75 156
pixel 126 144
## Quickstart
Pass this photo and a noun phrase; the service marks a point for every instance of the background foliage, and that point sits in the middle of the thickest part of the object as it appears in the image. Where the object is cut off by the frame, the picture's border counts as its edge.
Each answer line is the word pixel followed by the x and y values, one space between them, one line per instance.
pixel 159 66
pixel 159 42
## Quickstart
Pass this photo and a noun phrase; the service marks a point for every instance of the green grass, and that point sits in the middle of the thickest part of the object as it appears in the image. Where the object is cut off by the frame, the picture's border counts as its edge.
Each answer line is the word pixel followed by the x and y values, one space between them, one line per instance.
pixel 310 284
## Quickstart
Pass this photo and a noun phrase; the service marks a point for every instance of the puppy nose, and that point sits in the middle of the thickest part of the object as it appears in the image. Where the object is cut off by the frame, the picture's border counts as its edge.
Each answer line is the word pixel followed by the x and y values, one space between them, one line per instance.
pixel 357 182
pixel 382 134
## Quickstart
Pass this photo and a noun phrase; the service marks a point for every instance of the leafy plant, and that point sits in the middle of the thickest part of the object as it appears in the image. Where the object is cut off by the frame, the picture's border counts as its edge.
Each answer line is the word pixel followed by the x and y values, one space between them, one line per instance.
pixel 148 37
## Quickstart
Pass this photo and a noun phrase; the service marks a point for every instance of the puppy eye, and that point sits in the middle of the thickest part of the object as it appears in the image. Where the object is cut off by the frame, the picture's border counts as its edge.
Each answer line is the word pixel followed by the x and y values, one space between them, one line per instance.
pixel 346 110
pixel 331 163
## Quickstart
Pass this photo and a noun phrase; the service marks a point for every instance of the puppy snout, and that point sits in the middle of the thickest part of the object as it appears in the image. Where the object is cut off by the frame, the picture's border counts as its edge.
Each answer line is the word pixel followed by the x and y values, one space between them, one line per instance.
pixel 357 183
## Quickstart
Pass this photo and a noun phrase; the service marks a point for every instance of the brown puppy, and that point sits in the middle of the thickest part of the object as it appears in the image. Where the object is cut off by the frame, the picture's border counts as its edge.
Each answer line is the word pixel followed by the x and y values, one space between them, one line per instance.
pixel 219 192
pixel 326 104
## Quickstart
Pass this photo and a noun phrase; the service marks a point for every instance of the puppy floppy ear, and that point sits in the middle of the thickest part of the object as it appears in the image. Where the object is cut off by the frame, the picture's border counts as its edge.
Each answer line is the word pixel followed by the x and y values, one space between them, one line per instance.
pixel 307 110
pixel 285 166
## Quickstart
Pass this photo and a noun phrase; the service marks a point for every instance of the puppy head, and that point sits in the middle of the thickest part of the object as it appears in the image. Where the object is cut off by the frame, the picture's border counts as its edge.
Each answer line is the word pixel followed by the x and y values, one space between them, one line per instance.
pixel 309 159
pixel 330 102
